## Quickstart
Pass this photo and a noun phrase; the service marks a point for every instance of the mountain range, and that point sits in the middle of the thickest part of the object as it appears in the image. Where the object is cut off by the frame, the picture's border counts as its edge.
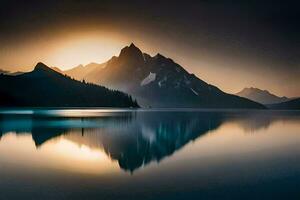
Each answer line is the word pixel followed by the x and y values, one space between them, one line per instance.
pixel 157 82
pixel 46 87
pixel 261 96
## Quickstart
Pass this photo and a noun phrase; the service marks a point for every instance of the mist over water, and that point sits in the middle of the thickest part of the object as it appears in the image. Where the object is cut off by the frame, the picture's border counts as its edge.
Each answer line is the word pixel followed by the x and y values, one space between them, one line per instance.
pixel 158 154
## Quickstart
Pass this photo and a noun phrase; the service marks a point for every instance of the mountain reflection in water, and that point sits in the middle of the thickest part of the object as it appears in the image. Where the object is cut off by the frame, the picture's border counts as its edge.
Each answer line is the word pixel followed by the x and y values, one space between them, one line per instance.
pixel 134 139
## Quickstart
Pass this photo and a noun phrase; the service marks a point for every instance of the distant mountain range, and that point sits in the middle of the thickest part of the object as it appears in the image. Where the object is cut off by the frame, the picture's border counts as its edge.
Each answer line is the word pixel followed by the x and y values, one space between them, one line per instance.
pixel 10 73
pixel 46 87
pixel 157 82
pixel 261 96
pixel 88 72
pixel 293 104
pixel 3 71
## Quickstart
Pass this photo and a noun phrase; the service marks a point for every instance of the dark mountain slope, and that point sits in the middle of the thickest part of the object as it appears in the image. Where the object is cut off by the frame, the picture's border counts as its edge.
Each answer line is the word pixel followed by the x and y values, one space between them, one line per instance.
pixel 288 105
pixel 46 87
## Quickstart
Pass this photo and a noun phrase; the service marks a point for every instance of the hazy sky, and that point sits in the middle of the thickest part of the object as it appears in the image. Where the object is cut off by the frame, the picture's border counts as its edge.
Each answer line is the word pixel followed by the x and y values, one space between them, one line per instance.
pixel 231 44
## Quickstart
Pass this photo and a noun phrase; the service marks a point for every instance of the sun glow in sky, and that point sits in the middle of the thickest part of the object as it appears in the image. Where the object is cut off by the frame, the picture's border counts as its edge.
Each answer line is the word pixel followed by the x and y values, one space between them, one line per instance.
pixel 63 50
pixel 84 50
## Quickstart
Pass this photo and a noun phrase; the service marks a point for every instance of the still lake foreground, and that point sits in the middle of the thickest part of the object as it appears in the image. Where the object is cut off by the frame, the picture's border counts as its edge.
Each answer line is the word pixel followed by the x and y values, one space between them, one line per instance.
pixel 162 154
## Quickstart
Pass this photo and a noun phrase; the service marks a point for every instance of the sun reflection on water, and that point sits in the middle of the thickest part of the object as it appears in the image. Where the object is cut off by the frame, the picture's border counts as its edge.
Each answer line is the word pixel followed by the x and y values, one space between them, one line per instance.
pixel 57 154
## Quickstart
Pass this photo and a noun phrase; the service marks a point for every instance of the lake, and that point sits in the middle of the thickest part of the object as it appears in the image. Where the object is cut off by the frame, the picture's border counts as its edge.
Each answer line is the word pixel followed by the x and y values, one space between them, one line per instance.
pixel 149 154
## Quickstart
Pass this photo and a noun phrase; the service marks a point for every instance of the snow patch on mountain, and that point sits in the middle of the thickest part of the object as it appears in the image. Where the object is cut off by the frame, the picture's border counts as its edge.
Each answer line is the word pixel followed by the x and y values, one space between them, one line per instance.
pixel 151 77
pixel 196 93
pixel 161 82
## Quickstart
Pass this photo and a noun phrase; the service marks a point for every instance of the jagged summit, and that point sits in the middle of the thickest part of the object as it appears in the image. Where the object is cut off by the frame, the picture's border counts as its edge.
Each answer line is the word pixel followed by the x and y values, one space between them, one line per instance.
pixel 132 45
pixel 41 69
pixel 158 55
pixel 41 65
pixel 131 48
pixel 131 53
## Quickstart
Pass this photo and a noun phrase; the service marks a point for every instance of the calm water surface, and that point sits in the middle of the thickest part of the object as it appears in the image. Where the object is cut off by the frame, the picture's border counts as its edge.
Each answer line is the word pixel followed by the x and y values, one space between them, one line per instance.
pixel 163 154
